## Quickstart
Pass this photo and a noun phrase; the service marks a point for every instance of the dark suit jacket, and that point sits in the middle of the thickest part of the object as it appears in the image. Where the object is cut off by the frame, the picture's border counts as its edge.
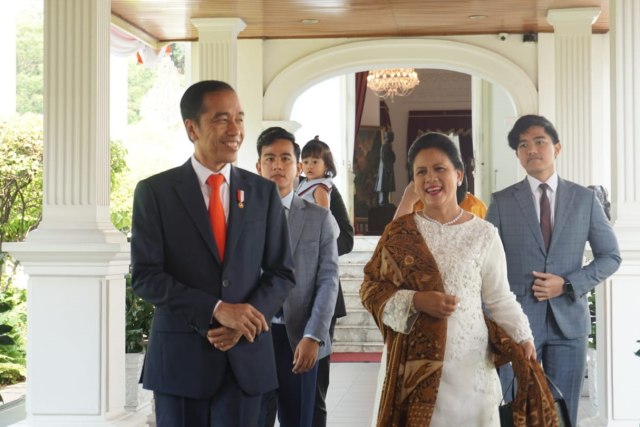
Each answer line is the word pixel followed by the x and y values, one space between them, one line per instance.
pixel 177 268
pixel 345 240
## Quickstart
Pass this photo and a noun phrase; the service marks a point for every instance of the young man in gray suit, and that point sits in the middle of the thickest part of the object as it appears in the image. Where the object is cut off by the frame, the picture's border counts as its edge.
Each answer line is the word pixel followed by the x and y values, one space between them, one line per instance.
pixel 545 222
pixel 301 330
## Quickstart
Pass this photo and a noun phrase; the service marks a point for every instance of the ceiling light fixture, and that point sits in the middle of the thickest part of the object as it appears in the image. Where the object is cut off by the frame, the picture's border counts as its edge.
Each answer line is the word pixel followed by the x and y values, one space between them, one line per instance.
pixel 392 82
pixel 310 21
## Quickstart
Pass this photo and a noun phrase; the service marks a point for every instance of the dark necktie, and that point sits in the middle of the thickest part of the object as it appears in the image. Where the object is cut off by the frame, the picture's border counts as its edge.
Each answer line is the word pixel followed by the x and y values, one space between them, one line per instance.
pixel 280 313
pixel 545 215
pixel 216 213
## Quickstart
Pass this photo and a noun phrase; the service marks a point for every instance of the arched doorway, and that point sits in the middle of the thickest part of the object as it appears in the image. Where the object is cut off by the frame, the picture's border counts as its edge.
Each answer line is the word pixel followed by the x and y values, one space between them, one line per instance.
pixel 283 90
pixel 482 64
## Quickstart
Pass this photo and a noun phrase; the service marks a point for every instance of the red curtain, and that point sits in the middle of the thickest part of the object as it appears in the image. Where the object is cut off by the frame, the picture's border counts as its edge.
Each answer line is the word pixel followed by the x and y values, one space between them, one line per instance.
pixel 361 93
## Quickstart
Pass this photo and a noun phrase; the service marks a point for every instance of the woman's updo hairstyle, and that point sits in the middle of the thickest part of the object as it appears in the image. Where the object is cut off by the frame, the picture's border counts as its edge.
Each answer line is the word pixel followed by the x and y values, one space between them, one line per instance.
pixel 436 140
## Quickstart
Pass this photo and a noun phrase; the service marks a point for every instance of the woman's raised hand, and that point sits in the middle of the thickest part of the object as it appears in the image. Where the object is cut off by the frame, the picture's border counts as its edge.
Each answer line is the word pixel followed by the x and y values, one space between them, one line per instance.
pixel 435 303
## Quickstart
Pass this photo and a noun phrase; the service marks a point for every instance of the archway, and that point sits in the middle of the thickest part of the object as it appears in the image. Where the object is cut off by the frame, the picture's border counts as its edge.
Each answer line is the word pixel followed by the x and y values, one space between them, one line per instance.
pixel 283 90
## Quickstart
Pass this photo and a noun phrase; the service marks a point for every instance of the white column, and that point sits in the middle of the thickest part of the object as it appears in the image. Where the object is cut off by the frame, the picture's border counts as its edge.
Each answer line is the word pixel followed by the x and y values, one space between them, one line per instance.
pixel 573 86
pixel 250 88
pixel 215 53
pixel 620 378
pixel 215 57
pixel 76 260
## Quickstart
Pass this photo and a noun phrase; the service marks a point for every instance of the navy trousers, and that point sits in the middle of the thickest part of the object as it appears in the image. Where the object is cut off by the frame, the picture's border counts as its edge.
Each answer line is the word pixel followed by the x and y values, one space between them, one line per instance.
pixel 295 396
pixel 229 407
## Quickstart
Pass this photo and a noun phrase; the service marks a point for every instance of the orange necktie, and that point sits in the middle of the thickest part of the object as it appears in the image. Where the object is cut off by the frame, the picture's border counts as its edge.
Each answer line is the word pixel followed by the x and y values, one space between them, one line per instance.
pixel 216 213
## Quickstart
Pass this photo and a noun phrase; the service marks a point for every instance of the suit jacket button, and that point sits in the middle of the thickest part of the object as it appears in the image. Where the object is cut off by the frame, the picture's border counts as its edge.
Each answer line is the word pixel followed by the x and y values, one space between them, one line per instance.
pixel 225 283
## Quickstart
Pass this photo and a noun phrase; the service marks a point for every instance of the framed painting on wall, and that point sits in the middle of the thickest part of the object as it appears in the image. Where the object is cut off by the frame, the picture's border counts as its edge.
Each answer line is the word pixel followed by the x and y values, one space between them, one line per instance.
pixel 366 157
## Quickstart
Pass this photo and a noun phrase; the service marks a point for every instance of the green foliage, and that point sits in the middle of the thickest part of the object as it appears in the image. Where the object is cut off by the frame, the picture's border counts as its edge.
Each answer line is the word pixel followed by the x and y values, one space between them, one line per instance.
pixel 21 154
pixel 139 315
pixel 5 330
pixel 177 56
pixel 138 312
pixel 21 151
pixel 13 325
pixel 141 79
pixel 591 300
pixel 121 188
pixel 30 60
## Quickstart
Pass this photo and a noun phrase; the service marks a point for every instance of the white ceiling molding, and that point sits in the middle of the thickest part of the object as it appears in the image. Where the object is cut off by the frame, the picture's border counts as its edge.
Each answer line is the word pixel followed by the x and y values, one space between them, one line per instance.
pixel 144 37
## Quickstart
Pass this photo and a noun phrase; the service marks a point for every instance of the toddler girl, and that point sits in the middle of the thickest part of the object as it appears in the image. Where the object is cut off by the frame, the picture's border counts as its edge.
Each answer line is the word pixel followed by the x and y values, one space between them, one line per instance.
pixel 318 168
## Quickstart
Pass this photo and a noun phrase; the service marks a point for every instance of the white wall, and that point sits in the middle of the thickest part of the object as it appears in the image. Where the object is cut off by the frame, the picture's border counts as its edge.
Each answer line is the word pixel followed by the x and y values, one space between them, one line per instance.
pixel 504 168
pixel 321 110
pixel 371 110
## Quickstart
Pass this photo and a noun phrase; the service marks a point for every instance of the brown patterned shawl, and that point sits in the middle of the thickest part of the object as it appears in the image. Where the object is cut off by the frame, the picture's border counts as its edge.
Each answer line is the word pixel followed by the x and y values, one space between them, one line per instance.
pixel 403 261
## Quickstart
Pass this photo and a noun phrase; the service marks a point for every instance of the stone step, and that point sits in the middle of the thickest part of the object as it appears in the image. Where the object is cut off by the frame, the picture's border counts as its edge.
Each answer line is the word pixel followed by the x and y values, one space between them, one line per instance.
pixel 351 285
pixel 352 300
pixel 365 243
pixel 357 347
pixel 357 332
pixel 355 257
pixel 356 317
pixel 351 271
pixel 360 333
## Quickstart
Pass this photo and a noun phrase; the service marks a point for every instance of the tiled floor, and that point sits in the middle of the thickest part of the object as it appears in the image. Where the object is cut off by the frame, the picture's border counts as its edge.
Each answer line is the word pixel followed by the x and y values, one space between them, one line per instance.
pixel 352 392
pixel 12 392
pixel 350 398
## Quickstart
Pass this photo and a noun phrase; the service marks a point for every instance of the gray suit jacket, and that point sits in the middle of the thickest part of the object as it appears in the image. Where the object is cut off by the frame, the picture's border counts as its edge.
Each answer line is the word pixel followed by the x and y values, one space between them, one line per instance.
pixel 579 218
pixel 309 307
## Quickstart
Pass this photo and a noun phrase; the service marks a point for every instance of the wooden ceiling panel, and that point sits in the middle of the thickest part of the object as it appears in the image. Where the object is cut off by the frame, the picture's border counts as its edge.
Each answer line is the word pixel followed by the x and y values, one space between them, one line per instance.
pixel 170 20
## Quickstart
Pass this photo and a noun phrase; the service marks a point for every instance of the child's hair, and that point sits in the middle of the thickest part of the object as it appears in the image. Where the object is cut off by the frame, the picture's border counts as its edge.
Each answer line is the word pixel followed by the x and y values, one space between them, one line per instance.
pixel 321 150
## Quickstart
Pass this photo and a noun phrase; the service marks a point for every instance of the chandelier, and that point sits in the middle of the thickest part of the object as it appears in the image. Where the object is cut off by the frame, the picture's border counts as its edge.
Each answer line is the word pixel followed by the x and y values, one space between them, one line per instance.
pixel 392 82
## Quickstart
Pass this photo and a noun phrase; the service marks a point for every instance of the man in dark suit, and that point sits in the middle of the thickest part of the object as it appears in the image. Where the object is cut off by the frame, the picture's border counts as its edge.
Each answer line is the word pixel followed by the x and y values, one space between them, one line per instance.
pixel 301 330
pixel 545 223
pixel 210 353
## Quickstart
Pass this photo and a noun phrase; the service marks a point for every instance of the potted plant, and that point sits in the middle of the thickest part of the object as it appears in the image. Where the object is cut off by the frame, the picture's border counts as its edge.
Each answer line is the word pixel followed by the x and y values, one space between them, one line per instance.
pixel 139 314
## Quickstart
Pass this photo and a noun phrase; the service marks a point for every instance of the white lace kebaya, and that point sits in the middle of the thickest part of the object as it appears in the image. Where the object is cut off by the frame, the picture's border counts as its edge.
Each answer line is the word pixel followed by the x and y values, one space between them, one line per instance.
pixel 471 260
